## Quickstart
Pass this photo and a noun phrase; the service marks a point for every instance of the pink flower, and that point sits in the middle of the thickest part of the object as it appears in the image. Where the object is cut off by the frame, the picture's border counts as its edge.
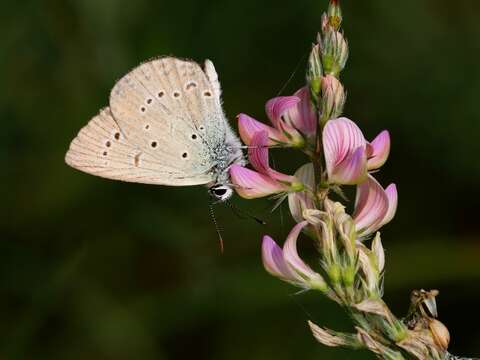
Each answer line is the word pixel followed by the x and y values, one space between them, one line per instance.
pixel 374 206
pixel 293 119
pixel 264 181
pixel 287 265
pixel 348 155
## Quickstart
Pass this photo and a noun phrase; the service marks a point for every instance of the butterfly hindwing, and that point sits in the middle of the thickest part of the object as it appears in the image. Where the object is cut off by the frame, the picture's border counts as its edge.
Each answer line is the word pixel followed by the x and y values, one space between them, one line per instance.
pixel 101 148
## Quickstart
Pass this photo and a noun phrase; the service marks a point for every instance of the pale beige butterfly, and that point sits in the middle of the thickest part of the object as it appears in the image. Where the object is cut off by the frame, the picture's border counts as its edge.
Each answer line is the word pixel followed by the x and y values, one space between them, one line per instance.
pixel 165 125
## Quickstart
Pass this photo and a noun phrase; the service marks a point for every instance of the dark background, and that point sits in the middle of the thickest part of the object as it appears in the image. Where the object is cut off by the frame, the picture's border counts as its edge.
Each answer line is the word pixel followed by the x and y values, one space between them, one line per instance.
pixel 97 269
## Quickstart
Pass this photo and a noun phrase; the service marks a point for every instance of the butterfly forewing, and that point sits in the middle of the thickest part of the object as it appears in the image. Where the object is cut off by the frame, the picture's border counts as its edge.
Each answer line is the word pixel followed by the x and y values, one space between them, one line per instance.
pixel 170 104
pixel 165 125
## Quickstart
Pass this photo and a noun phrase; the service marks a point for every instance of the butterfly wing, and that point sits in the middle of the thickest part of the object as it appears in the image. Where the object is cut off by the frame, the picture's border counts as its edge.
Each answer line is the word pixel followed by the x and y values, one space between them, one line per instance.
pixel 169 120
pixel 102 149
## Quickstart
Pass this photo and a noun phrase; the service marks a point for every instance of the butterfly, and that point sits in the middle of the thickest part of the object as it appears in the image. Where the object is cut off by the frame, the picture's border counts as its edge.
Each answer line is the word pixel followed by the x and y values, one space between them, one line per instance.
pixel 164 125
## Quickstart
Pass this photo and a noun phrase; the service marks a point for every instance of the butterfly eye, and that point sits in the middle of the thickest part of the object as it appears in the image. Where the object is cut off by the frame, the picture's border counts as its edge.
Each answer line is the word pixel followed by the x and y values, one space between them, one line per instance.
pixel 221 192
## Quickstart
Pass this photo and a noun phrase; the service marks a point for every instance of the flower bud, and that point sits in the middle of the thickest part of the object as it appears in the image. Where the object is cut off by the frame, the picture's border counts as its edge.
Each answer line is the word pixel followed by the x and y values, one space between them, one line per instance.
pixel 440 333
pixel 334 50
pixel 334 273
pixel 315 72
pixel 334 14
pixel 333 98
pixel 379 252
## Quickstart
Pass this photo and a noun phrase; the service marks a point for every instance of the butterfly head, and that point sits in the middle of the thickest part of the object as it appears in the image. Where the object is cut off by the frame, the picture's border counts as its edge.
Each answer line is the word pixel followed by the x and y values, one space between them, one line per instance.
pixel 220 192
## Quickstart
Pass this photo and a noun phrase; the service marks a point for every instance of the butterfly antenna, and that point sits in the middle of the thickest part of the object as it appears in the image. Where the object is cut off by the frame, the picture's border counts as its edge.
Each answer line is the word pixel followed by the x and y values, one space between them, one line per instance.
pixel 242 214
pixel 217 228
pixel 263 146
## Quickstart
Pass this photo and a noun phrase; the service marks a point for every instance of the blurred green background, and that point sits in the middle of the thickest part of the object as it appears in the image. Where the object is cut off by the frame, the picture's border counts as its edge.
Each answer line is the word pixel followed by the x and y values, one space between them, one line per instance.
pixel 97 269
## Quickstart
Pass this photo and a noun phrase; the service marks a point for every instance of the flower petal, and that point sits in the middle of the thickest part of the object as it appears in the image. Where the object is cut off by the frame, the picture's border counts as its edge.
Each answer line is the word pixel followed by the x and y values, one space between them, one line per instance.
pixel 250 184
pixel 300 201
pixel 378 150
pixel 291 257
pixel 328 337
pixel 371 206
pixel 345 152
pixel 368 266
pixel 352 170
pixel 273 261
pixel 277 106
pixel 392 196
pixel 248 126
pixel 302 116
pixel 258 157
